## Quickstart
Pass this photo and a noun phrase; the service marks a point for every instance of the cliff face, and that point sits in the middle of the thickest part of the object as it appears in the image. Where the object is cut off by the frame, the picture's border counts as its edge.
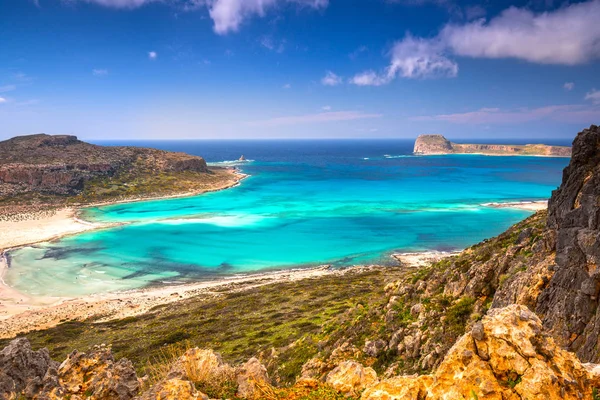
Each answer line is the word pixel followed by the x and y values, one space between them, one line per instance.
pixel 438 144
pixel 62 164
pixel 432 144
pixel 570 303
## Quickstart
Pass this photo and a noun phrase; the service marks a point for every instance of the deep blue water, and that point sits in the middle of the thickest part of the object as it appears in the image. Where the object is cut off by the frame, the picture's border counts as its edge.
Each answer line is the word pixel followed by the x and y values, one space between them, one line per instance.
pixel 306 203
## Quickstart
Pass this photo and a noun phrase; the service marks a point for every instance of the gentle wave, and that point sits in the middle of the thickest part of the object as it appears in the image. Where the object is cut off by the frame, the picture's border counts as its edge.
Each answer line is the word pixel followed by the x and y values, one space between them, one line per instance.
pixel 229 163
pixel 398 156
pixel 219 220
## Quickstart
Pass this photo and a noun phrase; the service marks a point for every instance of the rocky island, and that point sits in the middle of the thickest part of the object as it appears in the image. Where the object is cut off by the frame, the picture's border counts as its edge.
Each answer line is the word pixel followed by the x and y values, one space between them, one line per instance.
pixel 438 144
pixel 513 317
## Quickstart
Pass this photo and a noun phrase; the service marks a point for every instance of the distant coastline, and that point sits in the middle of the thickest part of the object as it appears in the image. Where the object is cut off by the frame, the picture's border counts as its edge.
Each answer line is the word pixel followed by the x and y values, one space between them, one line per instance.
pixel 439 145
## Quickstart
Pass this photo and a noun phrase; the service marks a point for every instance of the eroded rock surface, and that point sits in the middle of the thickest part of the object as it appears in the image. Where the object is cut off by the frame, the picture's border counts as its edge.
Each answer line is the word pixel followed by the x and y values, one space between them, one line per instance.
pixel 505 356
pixel 569 305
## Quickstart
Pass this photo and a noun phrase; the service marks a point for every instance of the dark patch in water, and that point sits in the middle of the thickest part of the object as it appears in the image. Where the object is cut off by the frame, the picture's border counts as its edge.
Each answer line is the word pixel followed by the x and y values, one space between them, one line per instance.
pixel 62 253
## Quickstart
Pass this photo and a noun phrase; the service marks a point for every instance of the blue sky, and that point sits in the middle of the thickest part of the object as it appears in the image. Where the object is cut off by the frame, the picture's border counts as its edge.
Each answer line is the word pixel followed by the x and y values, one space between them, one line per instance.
pixel 187 69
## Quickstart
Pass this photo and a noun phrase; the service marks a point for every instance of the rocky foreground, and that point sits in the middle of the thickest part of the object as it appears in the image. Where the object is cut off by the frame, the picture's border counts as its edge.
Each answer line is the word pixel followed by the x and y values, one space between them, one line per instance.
pixel 513 317
pixel 438 144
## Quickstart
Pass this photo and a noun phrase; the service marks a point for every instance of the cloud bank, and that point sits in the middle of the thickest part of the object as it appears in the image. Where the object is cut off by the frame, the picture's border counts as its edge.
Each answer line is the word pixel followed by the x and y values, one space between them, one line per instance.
pixel 567 36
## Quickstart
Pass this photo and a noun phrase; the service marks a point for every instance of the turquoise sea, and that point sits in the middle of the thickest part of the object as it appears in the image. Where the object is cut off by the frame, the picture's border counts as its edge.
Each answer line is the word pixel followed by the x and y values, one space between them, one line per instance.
pixel 306 203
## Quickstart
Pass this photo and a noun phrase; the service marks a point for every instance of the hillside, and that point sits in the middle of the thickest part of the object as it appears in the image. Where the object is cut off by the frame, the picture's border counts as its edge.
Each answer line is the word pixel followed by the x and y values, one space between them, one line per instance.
pixel 513 317
pixel 438 144
pixel 44 170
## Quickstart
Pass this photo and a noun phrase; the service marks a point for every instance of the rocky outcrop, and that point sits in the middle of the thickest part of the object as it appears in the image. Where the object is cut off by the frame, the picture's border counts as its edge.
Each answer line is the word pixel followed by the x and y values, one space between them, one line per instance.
pixel 29 374
pixel 432 144
pixel 22 370
pixel 438 144
pixel 505 356
pixel 351 378
pixel 61 164
pixel 569 305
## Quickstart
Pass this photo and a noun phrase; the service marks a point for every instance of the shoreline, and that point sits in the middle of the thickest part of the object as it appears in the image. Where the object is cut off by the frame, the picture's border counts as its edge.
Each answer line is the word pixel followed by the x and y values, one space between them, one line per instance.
pixel 490 154
pixel 49 312
pixel 68 221
pixel 532 205
pixel 30 313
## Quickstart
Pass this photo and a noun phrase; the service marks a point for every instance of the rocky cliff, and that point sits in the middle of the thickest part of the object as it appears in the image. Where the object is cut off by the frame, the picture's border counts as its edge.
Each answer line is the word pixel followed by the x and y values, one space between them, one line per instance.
pixel 61 164
pixel 569 305
pixel 438 144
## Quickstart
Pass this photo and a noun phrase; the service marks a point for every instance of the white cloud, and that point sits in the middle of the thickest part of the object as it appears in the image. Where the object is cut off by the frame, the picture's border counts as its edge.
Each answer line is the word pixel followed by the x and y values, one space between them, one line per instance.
pixel 594 96
pixel 563 113
pixel 315 118
pixel 326 108
pixel 7 88
pixel 567 36
pixel 369 78
pixel 228 15
pixel 2 100
pixel 152 55
pixel 568 86
pixel 411 58
pixel 287 86
pixel 331 79
pixel 420 58
pixel 99 72
pixel 271 44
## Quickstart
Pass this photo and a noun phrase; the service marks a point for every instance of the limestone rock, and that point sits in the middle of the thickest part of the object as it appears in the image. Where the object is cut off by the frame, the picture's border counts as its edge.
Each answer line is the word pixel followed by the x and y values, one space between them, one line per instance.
pixel 250 377
pixel 374 347
pixel 172 389
pixel 569 305
pixel 199 365
pixel 506 356
pixel 22 369
pixel 350 378
pixel 97 376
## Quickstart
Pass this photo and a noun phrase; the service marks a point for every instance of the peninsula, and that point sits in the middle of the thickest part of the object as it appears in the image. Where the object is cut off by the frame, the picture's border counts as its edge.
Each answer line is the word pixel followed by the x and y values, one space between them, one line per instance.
pixel 44 179
pixel 438 144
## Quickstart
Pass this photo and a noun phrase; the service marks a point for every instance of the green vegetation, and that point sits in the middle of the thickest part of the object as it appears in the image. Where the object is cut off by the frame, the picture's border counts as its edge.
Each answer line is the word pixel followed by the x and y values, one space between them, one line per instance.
pixel 239 325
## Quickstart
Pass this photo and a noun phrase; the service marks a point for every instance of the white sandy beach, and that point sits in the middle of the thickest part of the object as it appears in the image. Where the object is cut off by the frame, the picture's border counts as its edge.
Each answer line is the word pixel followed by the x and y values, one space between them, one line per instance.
pixel 521 205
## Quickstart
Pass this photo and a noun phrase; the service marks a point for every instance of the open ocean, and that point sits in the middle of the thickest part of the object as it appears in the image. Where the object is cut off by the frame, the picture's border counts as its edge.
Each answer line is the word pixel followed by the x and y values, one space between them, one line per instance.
pixel 307 203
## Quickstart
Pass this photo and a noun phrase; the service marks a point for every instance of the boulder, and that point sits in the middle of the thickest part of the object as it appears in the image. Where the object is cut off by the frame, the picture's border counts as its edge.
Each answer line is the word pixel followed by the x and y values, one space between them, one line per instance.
pixel 351 378
pixel 250 378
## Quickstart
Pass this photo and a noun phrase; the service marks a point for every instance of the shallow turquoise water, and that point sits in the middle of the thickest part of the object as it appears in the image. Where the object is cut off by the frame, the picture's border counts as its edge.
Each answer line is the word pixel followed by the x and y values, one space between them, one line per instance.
pixel 301 206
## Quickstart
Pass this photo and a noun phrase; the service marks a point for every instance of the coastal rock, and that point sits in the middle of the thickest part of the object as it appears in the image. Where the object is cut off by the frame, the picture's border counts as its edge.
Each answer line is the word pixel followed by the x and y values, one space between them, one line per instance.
pixel 350 378
pixel 374 347
pixel 250 378
pixel 506 356
pixel 173 389
pixel 432 144
pixel 569 305
pixel 22 370
pixel 199 365
pixel 438 144
pixel 97 376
